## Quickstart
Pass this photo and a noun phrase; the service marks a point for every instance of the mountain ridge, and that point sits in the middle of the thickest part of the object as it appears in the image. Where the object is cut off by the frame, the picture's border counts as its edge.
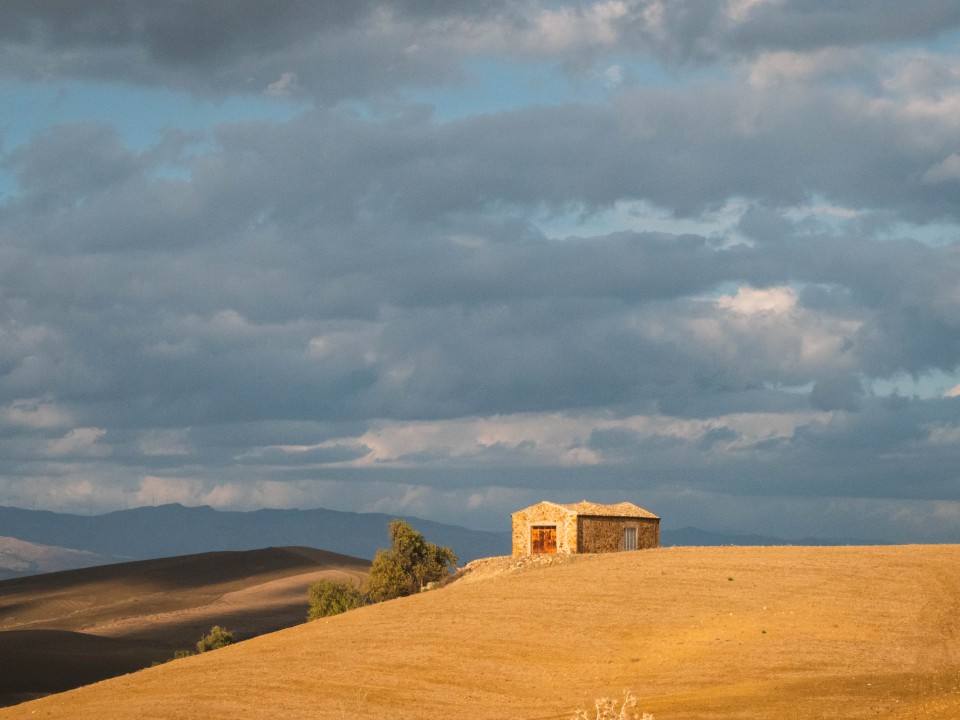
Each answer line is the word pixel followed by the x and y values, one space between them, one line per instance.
pixel 173 530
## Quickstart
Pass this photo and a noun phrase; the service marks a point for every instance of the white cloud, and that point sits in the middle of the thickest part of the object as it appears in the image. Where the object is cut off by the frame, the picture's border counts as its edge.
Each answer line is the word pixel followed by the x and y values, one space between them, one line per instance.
pixel 551 439
pixel 35 413
pixel 165 442
pixel 156 490
pixel 356 344
pixel 752 301
pixel 566 28
pixel 79 441
pixel 613 77
pixel 770 69
pixel 948 435
pixel 740 10
pixel 946 170
pixel 283 86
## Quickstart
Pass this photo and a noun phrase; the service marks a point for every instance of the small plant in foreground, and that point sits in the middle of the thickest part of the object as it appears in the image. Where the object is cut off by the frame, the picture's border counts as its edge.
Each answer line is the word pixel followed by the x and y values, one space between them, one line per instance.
pixel 611 709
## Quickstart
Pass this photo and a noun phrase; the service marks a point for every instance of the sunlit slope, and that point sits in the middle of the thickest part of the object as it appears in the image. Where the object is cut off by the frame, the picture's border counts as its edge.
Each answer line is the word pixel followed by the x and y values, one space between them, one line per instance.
pixel 62 630
pixel 694 632
pixel 95 599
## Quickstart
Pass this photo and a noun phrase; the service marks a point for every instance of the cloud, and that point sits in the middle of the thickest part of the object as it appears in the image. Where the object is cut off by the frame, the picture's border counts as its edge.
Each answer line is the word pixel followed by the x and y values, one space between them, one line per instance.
pixel 335 49
pixel 79 442
pixel 359 303
pixel 163 443
pixel 342 49
pixel 35 413
pixel 946 170
pixel 750 301
pixel 690 31
pixel 286 84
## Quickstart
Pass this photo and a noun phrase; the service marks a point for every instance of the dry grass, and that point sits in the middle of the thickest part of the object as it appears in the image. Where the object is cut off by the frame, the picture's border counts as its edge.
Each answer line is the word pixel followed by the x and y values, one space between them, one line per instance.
pixel 696 633
pixel 624 708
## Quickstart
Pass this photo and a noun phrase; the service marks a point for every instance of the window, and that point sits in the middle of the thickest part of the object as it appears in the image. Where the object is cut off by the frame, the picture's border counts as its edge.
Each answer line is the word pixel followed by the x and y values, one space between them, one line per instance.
pixel 630 538
pixel 543 540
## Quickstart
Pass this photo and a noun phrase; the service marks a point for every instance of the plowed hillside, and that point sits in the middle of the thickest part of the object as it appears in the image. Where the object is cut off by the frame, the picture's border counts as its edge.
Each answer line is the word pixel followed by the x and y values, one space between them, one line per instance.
pixel 66 629
pixel 755 633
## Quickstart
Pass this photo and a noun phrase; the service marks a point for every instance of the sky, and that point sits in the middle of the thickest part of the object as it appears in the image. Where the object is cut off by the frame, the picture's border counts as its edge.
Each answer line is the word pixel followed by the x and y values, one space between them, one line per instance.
pixel 450 259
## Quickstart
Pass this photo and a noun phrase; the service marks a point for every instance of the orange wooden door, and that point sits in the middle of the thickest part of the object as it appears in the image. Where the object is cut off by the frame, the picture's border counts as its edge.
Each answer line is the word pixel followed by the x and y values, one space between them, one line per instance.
pixel 543 540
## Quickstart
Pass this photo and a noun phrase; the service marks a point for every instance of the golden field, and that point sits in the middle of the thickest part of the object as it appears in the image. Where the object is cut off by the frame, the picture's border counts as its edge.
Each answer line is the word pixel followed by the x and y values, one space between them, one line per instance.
pixel 731 632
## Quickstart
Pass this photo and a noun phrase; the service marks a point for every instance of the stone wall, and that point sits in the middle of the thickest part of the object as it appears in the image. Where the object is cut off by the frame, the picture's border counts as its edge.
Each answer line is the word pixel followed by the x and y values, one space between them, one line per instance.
pixel 542 514
pixel 605 534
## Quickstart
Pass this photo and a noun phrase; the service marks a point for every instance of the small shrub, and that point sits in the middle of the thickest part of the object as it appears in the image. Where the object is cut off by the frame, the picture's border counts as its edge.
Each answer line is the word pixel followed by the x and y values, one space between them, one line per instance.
pixel 610 709
pixel 177 655
pixel 332 597
pixel 217 638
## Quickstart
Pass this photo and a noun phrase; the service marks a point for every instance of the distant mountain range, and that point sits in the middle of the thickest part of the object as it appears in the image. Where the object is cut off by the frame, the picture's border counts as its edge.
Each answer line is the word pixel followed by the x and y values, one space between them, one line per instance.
pixel 63 541
pixel 172 530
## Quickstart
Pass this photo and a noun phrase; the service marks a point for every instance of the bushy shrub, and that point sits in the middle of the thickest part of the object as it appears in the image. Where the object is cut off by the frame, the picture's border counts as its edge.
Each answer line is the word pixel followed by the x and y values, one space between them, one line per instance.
pixel 332 597
pixel 409 565
pixel 217 638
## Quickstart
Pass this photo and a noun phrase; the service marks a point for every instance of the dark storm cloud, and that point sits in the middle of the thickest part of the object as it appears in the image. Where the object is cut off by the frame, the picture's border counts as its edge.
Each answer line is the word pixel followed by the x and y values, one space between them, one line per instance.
pixel 705 30
pixel 209 298
pixel 684 151
pixel 344 49
pixel 811 24
pixel 334 49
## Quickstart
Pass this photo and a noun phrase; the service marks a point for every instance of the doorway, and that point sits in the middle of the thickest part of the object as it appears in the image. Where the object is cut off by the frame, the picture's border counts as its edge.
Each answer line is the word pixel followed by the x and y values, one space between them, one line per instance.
pixel 543 540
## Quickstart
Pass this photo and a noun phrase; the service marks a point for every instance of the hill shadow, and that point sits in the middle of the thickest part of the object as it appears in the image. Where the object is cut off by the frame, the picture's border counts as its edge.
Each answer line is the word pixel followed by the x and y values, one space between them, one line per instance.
pixel 39 662
pixel 63 630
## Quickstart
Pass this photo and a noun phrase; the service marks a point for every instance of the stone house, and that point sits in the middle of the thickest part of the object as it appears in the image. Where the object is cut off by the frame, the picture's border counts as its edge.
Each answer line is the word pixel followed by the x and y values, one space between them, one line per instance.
pixel 583 527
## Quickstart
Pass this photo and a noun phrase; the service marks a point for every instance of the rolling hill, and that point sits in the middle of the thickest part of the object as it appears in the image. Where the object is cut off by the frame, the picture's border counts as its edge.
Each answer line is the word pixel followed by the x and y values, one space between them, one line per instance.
pixel 19 558
pixel 65 629
pixel 726 632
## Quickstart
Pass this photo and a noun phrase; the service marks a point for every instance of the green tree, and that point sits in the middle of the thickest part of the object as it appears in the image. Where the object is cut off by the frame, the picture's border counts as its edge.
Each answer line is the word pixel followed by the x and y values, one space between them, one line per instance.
pixel 409 565
pixel 217 638
pixel 332 597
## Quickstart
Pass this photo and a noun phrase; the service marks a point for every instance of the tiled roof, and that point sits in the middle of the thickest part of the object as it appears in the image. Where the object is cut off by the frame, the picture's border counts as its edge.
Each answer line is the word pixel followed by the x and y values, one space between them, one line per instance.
pixel 624 509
